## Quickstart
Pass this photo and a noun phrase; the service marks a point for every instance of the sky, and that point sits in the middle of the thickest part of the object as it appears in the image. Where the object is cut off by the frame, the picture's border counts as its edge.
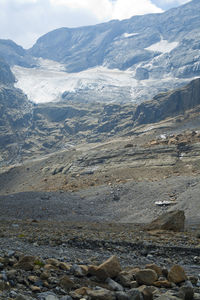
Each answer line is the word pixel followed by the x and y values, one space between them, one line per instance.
pixel 24 21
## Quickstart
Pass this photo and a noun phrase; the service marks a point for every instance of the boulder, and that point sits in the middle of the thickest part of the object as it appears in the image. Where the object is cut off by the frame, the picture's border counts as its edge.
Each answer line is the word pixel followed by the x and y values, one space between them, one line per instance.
pixel 110 268
pixel 66 283
pixel 113 285
pixel 26 263
pixel 135 294
pixel 177 274
pixel 186 291
pixel 154 267
pixel 146 276
pixel 173 220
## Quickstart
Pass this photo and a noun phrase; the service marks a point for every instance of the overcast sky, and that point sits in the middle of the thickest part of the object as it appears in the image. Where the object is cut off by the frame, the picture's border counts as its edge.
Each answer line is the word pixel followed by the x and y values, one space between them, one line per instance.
pixel 25 20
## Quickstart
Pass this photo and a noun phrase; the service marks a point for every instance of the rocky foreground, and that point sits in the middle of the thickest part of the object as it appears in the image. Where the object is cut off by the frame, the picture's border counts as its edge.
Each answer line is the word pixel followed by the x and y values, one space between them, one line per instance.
pixel 51 260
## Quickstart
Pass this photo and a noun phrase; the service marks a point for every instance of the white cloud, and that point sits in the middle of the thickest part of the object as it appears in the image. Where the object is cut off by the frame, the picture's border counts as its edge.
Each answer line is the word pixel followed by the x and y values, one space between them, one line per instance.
pixel 106 9
pixel 123 9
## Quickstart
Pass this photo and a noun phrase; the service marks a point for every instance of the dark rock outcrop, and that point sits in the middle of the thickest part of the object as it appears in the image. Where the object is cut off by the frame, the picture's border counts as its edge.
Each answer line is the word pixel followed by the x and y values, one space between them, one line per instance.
pixel 6 76
pixel 14 54
pixel 169 104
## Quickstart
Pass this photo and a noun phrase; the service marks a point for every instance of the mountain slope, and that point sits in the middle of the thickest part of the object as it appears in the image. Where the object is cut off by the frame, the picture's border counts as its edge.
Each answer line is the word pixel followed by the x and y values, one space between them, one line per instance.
pixel 125 44
pixel 169 104
pixel 15 112
pixel 14 54
pixel 155 53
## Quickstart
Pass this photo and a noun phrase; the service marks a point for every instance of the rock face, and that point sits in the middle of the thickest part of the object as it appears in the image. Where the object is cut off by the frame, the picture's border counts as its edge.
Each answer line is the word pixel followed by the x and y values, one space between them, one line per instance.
pixel 173 220
pixel 169 104
pixel 6 76
pixel 14 54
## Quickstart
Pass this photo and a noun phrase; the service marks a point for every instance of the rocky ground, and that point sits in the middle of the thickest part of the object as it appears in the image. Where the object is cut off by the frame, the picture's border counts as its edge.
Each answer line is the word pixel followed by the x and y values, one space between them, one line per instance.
pixel 63 260
pixel 64 214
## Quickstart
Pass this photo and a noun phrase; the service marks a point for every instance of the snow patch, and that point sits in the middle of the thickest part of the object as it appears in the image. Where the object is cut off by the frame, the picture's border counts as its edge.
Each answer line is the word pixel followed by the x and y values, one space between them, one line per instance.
pixel 127 35
pixel 163 46
pixel 48 81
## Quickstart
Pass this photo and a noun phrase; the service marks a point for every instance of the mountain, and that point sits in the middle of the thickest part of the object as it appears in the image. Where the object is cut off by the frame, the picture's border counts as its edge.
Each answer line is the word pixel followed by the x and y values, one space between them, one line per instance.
pixel 118 61
pixel 6 76
pixel 28 131
pixel 15 112
pixel 14 54
pixel 158 43
pixel 169 104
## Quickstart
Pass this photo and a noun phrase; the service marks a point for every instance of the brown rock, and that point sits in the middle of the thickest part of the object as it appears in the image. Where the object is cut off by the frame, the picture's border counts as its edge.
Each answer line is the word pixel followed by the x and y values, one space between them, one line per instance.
pixel 44 275
pixel 146 292
pixel 125 278
pixel 146 276
pixel 50 267
pixel 26 263
pixel 84 269
pixel 4 285
pixel 162 284
pixel 64 266
pixel 173 220
pixel 177 274
pixel 33 279
pixel 154 267
pixel 35 289
pixel 186 291
pixel 52 261
pixel 110 268
pixel 66 283
pixel 79 293
pixel 102 294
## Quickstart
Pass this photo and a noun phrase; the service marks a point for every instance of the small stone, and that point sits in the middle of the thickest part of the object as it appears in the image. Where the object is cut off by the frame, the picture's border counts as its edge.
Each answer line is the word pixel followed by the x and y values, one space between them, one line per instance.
pixel 66 283
pixel 10 253
pixel 135 294
pixel 162 284
pixel 64 266
pixel 4 285
pixel 77 271
pixel 67 298
pixel 125 278
pixel 177 274
pixel 186 291
pixel 47 296
pixel 51 297
pixel 133 284
pixel 146 292
pixel 101 294
pixel 33 279
pixel 52 261
pixel 146 276
pixel 193 279
pixel 44 275
pixel 22 297
pixel 114 285
pixel 26 263
pixel 122 296
pixel 35 289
